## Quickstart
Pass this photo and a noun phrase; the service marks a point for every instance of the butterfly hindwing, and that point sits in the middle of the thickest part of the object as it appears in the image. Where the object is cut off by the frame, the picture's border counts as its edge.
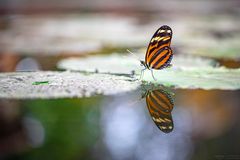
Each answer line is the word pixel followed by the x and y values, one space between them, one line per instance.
pixel 159 53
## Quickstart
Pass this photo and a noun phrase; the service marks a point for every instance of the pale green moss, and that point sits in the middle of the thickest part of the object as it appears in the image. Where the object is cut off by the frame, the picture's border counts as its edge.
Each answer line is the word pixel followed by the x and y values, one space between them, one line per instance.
pixel 127 64
pixel 187 71
pixel 205 78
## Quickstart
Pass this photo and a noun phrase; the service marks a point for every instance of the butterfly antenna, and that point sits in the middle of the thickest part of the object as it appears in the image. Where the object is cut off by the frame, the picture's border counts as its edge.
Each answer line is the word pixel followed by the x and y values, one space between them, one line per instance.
pixel 133 54
pixel 141 62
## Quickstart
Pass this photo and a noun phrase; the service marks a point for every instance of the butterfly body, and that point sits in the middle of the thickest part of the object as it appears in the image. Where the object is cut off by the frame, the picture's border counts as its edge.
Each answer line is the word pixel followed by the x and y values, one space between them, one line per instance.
pixel 159 53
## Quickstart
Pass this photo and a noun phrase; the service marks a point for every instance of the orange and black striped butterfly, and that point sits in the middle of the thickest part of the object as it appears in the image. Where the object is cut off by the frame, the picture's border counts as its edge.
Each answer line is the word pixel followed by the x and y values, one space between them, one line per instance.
pixel 159 54
pixel 160 105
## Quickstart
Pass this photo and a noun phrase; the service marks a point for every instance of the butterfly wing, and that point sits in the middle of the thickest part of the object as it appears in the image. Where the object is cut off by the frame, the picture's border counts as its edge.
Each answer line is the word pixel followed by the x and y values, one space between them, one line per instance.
pixel 160 105
pixel 159 53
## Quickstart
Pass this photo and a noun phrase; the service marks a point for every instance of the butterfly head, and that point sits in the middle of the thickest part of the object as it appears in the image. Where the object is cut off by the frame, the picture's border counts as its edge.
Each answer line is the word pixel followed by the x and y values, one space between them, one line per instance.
pixel 143 64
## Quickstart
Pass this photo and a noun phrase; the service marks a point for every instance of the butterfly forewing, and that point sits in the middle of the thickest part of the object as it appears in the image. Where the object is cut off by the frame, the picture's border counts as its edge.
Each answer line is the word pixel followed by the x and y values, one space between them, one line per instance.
pixel 159 53
pixel 160 105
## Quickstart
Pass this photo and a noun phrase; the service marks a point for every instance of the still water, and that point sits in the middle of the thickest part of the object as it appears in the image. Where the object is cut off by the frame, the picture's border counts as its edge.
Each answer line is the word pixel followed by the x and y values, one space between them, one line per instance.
pixel 160 123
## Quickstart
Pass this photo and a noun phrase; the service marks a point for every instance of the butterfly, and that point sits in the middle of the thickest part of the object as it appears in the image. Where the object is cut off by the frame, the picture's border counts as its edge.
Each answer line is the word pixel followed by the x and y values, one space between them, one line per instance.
pixel 160 105
pixel 159 53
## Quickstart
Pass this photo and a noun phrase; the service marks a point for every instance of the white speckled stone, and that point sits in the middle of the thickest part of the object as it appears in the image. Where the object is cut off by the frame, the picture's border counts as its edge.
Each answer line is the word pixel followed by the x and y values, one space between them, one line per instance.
pixel 62 84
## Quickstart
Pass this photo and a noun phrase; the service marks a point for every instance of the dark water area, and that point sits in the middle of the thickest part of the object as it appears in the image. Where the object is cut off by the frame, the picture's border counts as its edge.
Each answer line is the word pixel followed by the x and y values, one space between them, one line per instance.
pixel 205 125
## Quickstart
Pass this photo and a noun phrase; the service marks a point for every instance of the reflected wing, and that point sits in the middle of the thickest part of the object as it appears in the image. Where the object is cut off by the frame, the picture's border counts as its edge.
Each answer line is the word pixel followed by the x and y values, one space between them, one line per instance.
pixel 160 105
pixel 159 53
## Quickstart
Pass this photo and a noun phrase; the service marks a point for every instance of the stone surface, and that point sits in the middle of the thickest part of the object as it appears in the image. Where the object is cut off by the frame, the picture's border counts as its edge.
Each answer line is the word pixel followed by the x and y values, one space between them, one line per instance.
pixel 62 84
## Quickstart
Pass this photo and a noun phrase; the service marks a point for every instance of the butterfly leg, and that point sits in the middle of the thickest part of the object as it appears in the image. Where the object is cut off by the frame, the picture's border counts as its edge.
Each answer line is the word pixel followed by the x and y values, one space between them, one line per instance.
pixel 142 73
pixel 153 75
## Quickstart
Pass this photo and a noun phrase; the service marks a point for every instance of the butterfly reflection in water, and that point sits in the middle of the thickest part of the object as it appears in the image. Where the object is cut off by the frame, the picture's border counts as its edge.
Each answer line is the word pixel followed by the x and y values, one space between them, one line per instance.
pixel 160 104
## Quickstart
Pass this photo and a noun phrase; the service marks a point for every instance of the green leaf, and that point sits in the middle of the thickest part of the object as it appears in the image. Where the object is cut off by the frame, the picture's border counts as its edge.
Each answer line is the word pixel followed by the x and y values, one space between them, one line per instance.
pixel 186 72
pixel 40 82
pixel 127 64
pixel 204 78
pixel 219 52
